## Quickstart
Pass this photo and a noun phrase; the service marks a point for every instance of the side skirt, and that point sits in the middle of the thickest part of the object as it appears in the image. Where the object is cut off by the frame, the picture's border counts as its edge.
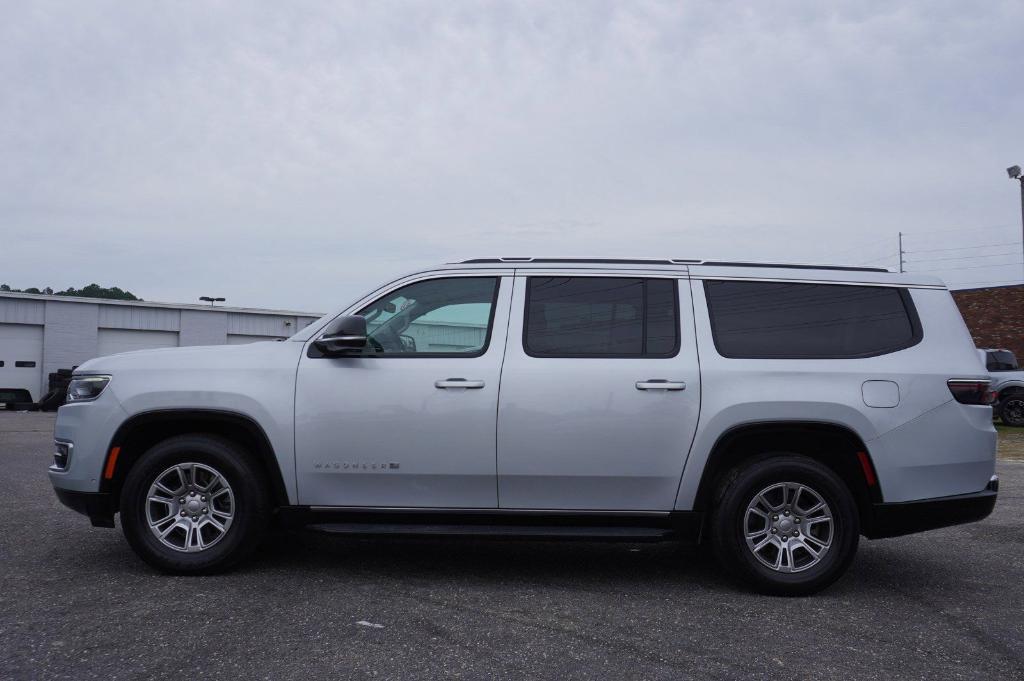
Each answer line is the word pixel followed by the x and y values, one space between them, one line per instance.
pixel 628 526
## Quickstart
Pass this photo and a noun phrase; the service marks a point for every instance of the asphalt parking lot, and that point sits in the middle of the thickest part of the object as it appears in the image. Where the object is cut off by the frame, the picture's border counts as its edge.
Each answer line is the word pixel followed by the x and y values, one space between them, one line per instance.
pixel 76 603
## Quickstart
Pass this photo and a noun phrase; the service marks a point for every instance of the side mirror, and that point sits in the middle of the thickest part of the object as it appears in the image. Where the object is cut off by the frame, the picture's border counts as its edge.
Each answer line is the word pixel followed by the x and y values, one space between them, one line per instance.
pixel 343 336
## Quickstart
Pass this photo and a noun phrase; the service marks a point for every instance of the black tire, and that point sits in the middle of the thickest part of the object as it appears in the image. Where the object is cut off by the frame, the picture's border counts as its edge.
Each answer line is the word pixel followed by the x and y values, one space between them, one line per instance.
pixel 1011 409
pixel 728 525
pixel 250 498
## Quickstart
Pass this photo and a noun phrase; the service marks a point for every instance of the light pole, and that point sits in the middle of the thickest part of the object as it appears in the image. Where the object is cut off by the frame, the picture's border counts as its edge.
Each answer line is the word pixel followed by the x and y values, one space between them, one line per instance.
pixel 211 301
pixel 1015 174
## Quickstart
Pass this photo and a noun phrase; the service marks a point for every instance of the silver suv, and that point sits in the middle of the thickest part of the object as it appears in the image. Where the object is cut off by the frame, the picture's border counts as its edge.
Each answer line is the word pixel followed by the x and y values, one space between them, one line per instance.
pixel 778 412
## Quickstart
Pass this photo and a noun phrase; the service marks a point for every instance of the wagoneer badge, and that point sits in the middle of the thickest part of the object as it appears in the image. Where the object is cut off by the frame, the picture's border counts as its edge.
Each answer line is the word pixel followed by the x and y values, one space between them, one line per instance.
pixel 328 466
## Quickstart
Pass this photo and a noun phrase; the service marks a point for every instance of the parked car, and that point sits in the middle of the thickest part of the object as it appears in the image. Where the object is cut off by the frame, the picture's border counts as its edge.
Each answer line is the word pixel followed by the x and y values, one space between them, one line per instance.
pixel 16 399
pixel 775 412
pixel 1008 385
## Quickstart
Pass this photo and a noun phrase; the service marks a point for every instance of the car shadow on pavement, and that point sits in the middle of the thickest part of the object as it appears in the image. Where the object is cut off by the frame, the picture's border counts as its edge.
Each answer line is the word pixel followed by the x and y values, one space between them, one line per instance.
pixel 879 567
pixel 487 560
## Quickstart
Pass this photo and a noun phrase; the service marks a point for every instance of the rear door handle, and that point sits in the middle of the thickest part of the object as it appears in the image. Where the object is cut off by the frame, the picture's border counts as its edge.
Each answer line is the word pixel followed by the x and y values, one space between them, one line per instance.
pixel 660 384
pixel 458 383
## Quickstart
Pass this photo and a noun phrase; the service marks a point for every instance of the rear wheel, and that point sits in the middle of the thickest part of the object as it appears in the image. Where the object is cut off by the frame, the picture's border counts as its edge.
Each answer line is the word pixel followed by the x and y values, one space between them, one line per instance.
pixel 194 504
pixel 1011 409
pixel 785 525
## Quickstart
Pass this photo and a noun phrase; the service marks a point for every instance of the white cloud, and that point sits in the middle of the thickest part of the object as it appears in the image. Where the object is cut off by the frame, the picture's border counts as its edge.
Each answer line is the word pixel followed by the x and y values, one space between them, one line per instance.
pixel 290 154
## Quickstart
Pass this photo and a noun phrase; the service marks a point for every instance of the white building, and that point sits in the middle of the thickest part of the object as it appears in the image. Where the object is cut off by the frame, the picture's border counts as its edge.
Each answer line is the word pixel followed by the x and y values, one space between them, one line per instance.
pixel 40 334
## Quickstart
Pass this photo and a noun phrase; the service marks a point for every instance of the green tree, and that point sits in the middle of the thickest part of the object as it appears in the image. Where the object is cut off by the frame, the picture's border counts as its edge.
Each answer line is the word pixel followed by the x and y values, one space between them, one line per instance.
pixel 90 291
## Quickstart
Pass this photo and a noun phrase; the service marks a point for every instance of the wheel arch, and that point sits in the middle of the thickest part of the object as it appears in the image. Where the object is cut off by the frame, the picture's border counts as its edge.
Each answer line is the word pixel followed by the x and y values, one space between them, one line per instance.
pixel 1010 387
pixel 833 445
pixel 143 430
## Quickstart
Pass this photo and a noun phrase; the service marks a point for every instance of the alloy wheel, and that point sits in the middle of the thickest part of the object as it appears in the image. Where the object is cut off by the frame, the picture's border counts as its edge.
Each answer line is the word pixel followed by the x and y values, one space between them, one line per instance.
pixel 788 527
pixel 190 507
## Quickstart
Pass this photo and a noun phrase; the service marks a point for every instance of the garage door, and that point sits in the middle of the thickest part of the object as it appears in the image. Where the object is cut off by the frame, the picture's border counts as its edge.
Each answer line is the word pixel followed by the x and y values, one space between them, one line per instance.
pixel 113 341
pixel 239 339
pixel 21 355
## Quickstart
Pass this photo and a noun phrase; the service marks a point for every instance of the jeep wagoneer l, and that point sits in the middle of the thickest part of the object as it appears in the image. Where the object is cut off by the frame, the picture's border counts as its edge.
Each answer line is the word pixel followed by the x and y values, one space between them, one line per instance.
pixel 775 412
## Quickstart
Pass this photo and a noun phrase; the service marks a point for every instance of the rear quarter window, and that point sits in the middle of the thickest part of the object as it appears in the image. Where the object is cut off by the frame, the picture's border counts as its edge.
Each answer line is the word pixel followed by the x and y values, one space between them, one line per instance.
pixel 779 320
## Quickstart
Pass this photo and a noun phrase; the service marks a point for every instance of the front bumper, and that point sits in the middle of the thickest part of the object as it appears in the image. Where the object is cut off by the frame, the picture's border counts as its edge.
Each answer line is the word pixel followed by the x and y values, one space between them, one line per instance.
pixel 907 517
pixel 99 506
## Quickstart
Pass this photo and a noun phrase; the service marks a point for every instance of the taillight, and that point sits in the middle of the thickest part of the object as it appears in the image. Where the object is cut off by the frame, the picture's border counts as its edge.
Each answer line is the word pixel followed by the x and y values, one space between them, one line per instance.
pixel 971 391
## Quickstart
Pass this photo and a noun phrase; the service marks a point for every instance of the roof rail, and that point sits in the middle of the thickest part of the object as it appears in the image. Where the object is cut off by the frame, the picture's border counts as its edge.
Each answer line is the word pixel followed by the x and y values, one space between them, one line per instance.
pixel 602 261
pixel 794 266
pixel 673 261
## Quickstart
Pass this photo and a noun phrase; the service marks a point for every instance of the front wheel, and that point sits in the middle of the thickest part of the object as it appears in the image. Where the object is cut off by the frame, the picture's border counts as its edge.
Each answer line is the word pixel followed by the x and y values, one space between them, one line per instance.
pixel 194 504
pixel 786 525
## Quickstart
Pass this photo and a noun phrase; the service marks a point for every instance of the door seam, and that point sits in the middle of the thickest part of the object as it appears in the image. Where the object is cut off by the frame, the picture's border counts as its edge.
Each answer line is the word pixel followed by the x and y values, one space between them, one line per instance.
pixel 497 400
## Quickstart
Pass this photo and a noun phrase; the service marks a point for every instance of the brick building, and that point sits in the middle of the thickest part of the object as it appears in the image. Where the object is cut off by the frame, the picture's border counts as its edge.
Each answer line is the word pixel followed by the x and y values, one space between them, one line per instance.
pixel 995 316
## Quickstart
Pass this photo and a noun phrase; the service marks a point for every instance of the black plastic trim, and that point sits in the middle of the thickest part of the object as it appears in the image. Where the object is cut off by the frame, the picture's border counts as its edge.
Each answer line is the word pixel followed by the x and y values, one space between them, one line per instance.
pixel 782 265
pixel 593 261
pixel 98 506
pixel 900 518
pixel 534 532
pixel 675 525
pixel 268 457
pixel 713 465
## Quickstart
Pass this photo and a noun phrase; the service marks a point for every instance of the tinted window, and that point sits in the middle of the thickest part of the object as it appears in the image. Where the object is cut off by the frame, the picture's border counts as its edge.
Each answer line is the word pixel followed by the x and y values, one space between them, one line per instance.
pixel 780 320
pixel 433 317
pixel 601 317
pixel 1001 360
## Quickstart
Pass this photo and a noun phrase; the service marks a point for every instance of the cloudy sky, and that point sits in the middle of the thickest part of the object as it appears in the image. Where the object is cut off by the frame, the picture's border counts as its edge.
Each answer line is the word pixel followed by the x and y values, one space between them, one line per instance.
pixel 293 154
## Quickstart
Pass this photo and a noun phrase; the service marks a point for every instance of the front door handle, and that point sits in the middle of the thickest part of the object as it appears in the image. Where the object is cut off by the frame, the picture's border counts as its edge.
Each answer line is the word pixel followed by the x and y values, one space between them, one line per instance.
pixel 458 383
pixel 660 384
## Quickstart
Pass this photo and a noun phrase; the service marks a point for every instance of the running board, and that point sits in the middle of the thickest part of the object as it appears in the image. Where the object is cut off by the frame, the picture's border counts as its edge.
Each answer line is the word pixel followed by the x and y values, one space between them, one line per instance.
pixel 635 526
pixel 627 534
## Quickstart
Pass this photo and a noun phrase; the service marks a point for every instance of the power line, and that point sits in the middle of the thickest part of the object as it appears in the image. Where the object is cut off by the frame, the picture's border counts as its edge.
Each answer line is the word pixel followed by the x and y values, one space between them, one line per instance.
pixel 974 267
pixel 963 257
pixel 947 231
pixel 863 246
pixel 884 257
pixel 964 248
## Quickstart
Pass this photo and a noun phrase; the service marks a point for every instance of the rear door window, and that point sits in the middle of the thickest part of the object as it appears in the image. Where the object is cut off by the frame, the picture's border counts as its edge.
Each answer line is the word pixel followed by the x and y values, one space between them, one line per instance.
pixel 601 317
pixel 778 320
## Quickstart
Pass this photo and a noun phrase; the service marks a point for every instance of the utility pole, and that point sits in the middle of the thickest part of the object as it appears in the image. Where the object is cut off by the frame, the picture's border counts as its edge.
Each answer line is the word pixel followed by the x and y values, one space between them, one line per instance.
pixel 902 262
pixel 1015 174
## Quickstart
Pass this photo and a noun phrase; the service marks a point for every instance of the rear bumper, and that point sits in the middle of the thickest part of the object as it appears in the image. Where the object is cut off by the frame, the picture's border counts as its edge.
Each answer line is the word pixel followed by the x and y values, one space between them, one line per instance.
pixel 99 506
pixel 907 517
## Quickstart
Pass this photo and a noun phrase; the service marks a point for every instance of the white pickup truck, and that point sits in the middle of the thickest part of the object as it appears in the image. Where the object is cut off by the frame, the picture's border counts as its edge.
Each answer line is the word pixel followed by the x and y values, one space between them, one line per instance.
pixel 1008 384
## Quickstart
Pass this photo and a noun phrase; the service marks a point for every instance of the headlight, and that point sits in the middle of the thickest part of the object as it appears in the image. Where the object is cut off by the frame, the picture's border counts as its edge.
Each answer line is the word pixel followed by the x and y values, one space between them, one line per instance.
pixel 84 388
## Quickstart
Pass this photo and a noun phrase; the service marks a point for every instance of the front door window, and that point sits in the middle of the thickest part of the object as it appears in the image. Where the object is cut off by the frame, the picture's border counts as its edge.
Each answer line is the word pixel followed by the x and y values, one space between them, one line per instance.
pixel 436 317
